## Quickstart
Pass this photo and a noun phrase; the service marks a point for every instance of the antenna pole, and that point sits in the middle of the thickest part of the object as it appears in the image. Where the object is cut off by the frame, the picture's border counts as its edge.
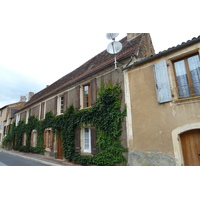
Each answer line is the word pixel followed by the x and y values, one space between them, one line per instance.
pixel 115 62
pixel 114 47
pixel 114 54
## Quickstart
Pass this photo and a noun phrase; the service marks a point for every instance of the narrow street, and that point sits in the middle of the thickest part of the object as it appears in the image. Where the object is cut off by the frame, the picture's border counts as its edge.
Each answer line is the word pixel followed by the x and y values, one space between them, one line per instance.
pixel 7 159
pixel 16 158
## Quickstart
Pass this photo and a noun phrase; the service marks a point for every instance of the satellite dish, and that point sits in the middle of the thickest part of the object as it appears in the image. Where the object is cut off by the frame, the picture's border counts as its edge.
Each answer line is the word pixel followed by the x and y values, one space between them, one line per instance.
pixel 114 47
pixel 111 36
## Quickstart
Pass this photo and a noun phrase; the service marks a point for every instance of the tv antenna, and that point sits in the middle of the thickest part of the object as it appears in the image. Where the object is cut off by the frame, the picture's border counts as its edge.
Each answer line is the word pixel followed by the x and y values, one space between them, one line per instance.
pixel 114 47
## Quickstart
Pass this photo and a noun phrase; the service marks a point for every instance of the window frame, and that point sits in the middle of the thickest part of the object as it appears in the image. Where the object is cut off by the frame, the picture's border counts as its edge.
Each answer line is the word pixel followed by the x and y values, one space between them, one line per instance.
pixel 89 149
pixel 61 104
pixel 48 139
pixel 188 75
pixel 86 104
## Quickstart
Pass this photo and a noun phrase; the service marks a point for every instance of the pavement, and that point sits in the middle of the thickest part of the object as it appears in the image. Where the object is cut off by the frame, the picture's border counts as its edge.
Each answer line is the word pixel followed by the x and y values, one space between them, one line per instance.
pixel 39 158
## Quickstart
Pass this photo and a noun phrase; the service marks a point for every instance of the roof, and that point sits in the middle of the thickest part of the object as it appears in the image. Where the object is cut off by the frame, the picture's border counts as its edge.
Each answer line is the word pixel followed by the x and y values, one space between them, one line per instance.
pixel 99 62
pixel 163 53
pixel 10 105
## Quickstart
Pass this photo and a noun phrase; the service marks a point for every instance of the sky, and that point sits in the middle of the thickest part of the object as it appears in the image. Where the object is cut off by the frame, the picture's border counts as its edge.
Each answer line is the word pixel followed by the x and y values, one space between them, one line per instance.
pixel 41 41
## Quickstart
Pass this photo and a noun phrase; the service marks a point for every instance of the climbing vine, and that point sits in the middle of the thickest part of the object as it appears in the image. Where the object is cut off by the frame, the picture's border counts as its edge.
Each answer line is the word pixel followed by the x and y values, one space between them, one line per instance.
pixel 105 115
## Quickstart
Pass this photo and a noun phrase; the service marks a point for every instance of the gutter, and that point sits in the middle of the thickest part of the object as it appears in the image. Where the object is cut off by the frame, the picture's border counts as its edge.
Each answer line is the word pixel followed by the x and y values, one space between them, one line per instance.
pixel 163 53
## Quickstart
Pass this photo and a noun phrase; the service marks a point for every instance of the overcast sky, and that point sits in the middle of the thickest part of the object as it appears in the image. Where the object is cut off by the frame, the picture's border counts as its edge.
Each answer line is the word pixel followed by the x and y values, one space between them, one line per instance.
pixel 41 41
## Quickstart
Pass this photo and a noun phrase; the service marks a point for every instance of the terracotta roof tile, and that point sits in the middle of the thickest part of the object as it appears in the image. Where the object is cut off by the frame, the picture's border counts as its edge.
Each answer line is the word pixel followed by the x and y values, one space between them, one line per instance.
pixel 164 52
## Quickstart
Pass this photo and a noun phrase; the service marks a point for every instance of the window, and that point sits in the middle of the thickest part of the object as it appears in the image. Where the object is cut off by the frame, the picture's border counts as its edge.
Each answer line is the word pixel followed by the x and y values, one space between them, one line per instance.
pixel 48 139
pixel 86 96
pixel 34 138
pixel 0 113
pixel 87 140
pixel 187 72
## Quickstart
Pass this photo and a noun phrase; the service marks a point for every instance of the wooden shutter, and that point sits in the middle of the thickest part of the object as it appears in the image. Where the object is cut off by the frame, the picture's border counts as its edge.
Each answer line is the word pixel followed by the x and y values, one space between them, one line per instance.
pixel 77 98
pixel 45 136
pixel 77 139
pixel 51 139
pixel 162 82
pixel 55 105
pixel 93 140
pixel 29 113
pixel 42 111
pixel 65 101
pixel 93 91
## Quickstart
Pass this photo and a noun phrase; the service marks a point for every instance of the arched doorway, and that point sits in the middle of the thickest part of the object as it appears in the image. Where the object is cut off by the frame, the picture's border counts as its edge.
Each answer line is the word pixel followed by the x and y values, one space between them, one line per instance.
pixel 176 139
pixel 190 143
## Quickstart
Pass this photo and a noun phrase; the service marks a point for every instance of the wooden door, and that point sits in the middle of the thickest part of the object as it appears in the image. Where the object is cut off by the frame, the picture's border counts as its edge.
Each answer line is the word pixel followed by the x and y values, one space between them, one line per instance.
pixel 190 141
pixel 59 147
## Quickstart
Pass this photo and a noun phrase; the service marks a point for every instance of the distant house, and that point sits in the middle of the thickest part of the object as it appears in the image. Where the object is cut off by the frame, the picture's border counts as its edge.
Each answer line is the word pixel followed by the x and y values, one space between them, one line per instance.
pixel 7 115
pixel 163 107
pixel 80 89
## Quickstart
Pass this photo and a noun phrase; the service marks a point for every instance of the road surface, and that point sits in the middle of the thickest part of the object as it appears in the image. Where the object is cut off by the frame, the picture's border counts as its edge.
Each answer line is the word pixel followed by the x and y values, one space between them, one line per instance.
pixel 7 159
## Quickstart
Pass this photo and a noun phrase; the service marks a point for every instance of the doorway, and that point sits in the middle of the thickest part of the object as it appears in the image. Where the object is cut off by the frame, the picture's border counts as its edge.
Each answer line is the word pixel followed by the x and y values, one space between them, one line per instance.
pixel 190 142
pixel 59 146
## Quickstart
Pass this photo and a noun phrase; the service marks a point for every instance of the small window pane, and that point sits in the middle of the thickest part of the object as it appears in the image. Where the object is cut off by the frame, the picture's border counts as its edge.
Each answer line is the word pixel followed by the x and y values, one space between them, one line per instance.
pixel 194 66
pixel 87 140
pixel 183 87
pixel 86 89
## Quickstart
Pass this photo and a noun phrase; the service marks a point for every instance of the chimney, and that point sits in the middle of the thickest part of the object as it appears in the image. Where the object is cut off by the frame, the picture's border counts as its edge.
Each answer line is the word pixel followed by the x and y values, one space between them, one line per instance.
pixel 23 99
pixel 131 36
pixel 30 94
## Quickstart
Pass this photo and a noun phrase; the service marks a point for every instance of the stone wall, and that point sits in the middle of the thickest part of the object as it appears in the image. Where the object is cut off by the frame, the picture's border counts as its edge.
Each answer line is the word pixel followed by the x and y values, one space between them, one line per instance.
pixel 152 158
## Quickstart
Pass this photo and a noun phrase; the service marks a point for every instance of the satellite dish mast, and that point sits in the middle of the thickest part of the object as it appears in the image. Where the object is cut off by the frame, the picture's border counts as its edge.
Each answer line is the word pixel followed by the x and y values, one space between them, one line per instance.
pixel 114 47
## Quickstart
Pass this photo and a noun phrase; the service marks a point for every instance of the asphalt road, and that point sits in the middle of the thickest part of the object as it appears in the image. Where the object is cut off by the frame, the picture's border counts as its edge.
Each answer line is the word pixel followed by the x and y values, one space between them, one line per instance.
pixel 7 159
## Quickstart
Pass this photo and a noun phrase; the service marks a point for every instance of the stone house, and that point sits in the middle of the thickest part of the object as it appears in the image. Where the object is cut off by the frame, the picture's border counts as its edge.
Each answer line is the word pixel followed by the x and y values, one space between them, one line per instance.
pixel 163 107
pixel 80 89
pixel 7 115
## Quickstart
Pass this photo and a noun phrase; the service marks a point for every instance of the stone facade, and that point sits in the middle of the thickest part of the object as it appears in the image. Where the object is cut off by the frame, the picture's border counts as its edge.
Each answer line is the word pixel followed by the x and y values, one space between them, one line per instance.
pixel 70 87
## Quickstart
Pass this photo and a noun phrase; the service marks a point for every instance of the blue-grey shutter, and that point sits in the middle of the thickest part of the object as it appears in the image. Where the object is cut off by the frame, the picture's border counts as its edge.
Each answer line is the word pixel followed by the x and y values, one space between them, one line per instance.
pixel 162 82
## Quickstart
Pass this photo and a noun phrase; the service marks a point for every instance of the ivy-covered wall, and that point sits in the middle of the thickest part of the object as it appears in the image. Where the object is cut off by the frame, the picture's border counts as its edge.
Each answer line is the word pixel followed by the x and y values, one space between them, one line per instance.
pixel 105 115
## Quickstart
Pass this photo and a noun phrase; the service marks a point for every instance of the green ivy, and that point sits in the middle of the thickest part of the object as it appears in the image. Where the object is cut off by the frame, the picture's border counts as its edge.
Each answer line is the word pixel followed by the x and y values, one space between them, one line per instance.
pixel 105 115
pixel 8 139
